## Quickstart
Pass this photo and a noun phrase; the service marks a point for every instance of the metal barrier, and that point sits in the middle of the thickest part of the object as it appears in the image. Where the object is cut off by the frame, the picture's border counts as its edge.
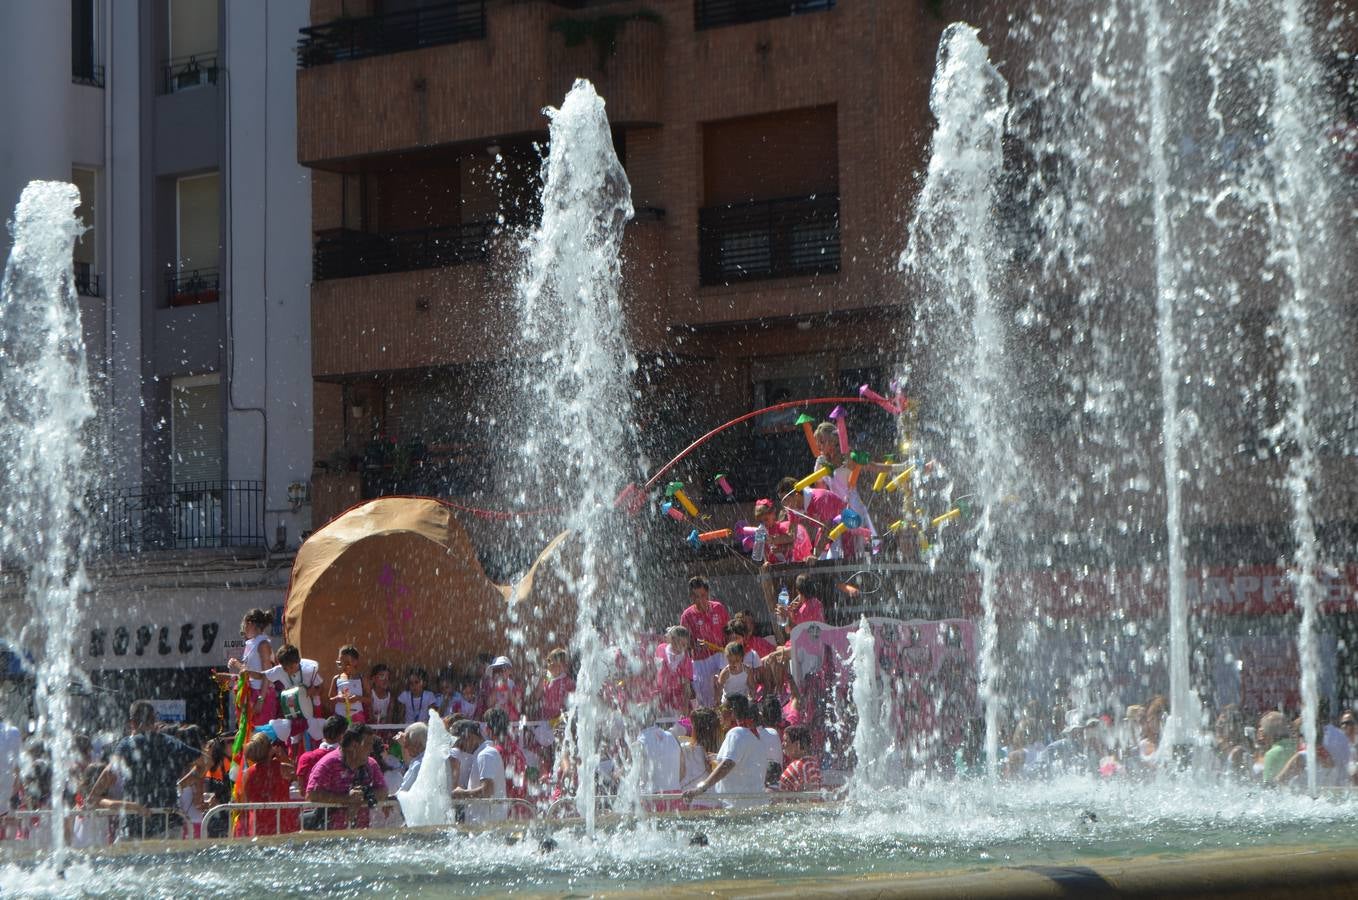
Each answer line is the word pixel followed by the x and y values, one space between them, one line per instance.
pixel 478 811
pixel 97 826
pixel 709 801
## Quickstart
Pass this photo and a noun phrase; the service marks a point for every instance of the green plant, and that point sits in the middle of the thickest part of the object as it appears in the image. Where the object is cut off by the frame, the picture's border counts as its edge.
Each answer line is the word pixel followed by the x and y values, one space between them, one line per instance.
pixel 601 31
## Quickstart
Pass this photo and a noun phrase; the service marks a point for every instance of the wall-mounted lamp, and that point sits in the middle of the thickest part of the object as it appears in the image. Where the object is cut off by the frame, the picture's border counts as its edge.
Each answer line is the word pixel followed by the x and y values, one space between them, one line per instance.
pixel 298 494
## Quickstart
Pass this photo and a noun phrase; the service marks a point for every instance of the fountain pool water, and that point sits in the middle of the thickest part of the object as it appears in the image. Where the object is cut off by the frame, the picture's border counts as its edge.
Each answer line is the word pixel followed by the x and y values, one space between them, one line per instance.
pixel 968 825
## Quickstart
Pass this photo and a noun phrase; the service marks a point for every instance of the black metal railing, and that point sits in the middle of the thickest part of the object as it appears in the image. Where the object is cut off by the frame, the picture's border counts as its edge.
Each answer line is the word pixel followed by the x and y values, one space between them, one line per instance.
pixel 86 72
pixel 187 287
pixel 769 239
pixel 184 516
pixel 346 254
pixel 429 26
pixel 717 13
pixel 184 72
pixel 86 280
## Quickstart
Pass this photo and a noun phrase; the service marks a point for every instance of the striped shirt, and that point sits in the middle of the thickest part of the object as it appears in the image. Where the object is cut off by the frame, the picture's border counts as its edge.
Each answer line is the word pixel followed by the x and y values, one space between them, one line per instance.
pixel 801 775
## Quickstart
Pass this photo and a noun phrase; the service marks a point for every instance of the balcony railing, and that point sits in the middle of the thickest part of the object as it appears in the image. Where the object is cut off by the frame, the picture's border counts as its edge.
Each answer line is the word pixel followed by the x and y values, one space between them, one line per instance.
pixel 717 13
pixel 345 254
pixel 86 281
pixel 187 288
pixel 185 516
pixel 184 72
pixel 84 71
pixel 428 26
pixel 769 239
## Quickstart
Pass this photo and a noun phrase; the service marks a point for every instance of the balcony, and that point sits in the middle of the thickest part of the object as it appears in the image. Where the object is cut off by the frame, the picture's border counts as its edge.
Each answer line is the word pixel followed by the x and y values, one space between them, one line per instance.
pixel 371 105
pixel 346 254
pixel 193 287
pixel 186 516
pixel 86 281
pixel 769 239
pixel 719 13
pixel 448 23
pixel 185 72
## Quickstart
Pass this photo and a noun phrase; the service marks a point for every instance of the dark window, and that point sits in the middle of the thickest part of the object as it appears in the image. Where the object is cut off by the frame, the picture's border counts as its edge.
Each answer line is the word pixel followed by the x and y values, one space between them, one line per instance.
pixel 716 13
pixel 84 69
pixel 769 239
pixel 400 26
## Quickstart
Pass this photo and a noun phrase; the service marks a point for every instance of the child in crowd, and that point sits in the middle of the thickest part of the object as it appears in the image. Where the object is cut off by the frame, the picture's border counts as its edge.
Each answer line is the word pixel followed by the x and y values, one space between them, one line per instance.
pixel 416 700
pixel 817 507
pixel 559 685
pixel 788 540
pixel 382 700
pixel 294 672
pixel 346 688
pixel 674 673
pixel 499 690
pixel 736 677
pixel 742 629
pixel 266 781
pixel 257 657
pixel 802 772
pixel 449 698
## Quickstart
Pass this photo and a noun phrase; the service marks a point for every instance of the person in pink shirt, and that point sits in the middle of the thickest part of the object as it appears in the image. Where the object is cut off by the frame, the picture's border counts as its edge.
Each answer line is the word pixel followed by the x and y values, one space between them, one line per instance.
pixel 805 607
pixel 674 673
pixel 816 507
pixel 348 775
pixel 706 622
pixel 788 540
pixel 559 688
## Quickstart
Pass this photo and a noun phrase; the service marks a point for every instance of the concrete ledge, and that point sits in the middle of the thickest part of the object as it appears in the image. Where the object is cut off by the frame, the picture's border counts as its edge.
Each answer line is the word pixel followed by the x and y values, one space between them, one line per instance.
pixel 1287 872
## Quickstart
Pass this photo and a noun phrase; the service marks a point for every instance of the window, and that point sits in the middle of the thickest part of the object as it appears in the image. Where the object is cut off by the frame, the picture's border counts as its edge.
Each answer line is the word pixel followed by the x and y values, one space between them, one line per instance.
pixel 718 13
pixel 86 246
pixel 196 277
pixel 771 189
pixel 192 58
pixel 196 429
pixel 84 44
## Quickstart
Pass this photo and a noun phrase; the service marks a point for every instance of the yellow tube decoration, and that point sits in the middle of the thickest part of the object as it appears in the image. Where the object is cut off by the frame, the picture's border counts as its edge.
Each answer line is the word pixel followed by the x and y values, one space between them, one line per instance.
pixel 837 531
pixel 686 503
pixel 822 472
pixel 947 517
pixel 899 481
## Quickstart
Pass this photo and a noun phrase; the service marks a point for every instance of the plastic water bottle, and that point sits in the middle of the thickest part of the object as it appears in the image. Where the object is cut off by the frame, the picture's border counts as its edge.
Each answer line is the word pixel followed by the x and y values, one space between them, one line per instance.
pixel 761 538
pixel 783 598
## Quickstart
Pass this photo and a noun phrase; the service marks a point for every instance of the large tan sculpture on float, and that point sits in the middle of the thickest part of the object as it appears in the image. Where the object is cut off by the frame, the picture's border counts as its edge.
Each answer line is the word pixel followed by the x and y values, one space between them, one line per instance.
pixel 399 579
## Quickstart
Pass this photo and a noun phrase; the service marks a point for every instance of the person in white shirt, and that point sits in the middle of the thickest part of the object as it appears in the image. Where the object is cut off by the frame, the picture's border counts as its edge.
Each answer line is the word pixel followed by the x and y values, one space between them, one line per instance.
pixel 742 760
pixel 412 742
pixel 485 776
pixel 657 753
pixel 416 700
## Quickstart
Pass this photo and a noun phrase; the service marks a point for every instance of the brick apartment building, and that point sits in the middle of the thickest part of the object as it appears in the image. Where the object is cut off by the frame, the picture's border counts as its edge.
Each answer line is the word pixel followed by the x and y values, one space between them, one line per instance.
pixel 770 156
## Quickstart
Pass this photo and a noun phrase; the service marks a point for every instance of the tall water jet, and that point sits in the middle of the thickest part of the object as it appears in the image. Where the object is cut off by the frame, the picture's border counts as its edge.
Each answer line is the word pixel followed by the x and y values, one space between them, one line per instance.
pixel 1301 246
pixel 1184 707
pixel 872 742
pixel 959 343
pixel 577 405
pixel 44 398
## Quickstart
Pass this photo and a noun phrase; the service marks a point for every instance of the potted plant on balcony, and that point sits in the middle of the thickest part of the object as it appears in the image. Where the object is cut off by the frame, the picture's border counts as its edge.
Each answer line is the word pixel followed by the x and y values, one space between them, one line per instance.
pixel 601 31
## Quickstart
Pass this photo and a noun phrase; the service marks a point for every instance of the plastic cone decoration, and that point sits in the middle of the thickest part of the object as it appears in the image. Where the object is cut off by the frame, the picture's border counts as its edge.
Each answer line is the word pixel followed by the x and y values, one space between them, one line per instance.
pixel 841 420
pixel 808 429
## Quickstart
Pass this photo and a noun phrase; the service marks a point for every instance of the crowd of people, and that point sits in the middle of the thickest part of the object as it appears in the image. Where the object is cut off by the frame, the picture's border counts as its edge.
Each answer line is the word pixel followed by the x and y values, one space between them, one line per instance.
pixel 1271 752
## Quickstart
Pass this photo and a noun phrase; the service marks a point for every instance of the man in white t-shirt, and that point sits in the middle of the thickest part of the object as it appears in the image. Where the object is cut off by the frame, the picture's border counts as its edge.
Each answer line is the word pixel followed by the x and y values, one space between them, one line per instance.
pixel 658 757
pixel 485 776
pixel 743 758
